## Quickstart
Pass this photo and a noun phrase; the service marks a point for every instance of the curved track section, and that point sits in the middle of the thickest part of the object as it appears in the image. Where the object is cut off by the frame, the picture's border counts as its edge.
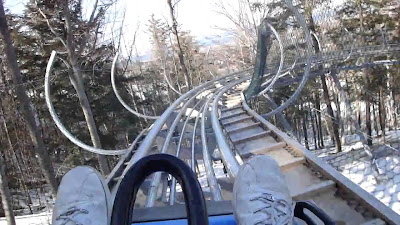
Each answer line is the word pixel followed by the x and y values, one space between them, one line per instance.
pixel 123 103
pixel 239 133
pixel 61 126
pixel 232 132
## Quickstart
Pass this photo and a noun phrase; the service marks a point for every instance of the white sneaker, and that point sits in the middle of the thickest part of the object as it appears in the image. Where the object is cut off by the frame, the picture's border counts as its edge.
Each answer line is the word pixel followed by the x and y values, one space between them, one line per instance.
pixel 83 198
pixel 261 195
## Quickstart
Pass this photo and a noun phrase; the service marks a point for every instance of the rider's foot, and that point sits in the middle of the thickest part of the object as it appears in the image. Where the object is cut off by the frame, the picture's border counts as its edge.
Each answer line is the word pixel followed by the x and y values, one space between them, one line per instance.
pixel 83 198
pixel 261 195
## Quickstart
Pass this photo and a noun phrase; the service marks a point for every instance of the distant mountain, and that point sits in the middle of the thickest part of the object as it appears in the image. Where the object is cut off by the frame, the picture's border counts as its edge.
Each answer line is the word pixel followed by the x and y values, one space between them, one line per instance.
pixel 225 38
pixel 143 58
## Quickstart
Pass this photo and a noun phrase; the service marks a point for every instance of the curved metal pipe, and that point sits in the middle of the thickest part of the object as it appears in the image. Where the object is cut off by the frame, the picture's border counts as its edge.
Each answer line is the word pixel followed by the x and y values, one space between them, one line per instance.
pixel 122 159
pixel 157 177
pixel 212 180
pixel 277 36
pixel 147 142
pixel 208 66
pixel 167 80
pixel 307 64
pixel 126 106
pixel 178 151
pixel 193 164
pixel 158 124
pixel 352 46
pixel 317 39
pixel 296 45
pixel 232 166
pixel 151 197
pixel 61 126
pixel 286 71
pixel 384 42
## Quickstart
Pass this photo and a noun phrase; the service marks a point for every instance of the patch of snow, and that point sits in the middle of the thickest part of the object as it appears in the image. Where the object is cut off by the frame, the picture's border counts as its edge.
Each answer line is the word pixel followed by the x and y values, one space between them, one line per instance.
pixel 381 178
pixel 43 218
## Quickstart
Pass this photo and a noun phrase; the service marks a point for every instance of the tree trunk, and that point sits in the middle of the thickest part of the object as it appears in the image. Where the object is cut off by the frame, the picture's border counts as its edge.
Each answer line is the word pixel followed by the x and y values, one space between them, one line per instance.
pixel 178 42
pixel 26 105
pixel 319 120
pixel 382 111
pixel 393 99
pixel 339 114
pixel 77 82
pixel 16 163
pixel 304 115
pixel 368 113
pixel 175 66
pixel 5 193
pixel 359 113
pixel 332 118
pixel 313 128
pixel 317 130
pixel 376 119
pixel 367 82
pixel 350 128
pixel 349 116
pixel 296 123
pixel 282 120
pixel 339 100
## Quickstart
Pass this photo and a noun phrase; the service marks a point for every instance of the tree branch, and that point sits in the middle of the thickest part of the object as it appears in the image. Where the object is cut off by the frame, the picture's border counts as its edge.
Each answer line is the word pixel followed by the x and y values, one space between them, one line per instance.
pixel 49 25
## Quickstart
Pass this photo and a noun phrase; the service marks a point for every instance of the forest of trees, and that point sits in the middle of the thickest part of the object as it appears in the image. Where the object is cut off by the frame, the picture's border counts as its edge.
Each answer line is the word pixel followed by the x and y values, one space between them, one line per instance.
pixel 370 91
pixel 34 154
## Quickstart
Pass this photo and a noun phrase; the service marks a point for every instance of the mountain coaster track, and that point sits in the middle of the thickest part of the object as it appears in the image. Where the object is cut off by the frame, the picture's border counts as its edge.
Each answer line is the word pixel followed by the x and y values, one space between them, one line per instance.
pixel 226 125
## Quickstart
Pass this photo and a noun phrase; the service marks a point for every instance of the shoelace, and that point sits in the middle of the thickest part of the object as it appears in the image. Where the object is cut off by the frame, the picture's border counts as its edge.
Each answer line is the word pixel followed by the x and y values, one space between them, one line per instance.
pixel 67 216
pixel 277 211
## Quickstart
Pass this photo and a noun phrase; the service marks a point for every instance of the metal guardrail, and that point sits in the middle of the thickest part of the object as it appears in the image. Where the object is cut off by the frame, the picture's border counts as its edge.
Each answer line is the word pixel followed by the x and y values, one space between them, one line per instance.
pixel 158 124
pixel 157 177
pixel 227 156
pixel 212 180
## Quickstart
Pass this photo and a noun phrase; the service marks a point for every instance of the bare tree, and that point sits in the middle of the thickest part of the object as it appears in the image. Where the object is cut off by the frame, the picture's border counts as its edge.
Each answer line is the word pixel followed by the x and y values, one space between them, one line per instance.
pixel 26 105
pixel 333 121
pixel 77 82
pixel 366 75
pixel 245 16
pixel 5 193
pixel 74 48
pixel 178 42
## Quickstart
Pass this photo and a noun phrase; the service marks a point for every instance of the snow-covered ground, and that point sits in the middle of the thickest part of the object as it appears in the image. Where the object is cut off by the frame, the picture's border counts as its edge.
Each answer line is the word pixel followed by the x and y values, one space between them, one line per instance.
pixel 381 177
pixel 40 203
pixel 43 218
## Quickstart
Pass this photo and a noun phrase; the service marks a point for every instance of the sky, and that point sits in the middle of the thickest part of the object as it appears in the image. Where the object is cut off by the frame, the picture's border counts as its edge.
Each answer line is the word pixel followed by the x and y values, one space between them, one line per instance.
pixel 197 16
pixel 16 6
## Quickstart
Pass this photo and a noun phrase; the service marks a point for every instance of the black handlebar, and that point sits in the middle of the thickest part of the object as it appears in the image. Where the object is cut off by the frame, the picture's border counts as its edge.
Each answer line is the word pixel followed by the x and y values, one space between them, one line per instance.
pixel 126 195
pixel 299 213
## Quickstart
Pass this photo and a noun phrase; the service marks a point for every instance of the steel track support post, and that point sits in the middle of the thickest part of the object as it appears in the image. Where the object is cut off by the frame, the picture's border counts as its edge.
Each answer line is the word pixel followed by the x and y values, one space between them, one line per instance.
pixel 264 39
